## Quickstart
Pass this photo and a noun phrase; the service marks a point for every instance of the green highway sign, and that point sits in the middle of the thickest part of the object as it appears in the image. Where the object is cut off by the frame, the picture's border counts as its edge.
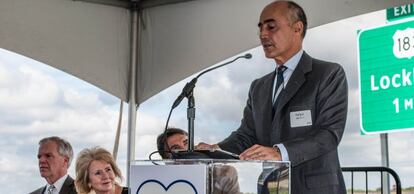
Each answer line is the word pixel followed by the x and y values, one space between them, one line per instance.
pixel 386 78
pixel 400 12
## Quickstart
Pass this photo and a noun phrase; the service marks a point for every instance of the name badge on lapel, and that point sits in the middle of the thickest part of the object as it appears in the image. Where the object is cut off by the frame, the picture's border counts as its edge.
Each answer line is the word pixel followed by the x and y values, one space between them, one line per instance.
pixel 300 118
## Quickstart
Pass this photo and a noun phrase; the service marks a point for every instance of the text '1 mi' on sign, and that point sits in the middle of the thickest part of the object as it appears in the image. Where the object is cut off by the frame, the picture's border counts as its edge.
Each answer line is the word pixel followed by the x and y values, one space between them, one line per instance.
pixel 400 12
pixel 386 77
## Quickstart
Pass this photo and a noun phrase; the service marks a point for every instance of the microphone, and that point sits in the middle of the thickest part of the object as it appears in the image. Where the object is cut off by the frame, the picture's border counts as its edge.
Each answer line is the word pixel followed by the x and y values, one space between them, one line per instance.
pixel 189 87
pixel 248 56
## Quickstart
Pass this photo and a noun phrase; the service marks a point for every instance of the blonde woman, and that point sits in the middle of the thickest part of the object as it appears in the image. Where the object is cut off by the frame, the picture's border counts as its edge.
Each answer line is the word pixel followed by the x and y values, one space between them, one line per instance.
pixel 97 171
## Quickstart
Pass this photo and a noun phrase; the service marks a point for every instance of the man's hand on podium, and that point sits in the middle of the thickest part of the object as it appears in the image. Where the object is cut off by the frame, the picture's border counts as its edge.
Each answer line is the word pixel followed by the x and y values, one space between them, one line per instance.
pixel 259 152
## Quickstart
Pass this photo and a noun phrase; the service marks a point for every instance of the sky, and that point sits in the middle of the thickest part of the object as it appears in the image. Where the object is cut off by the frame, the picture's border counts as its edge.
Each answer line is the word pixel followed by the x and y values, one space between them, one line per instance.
pixel 38 101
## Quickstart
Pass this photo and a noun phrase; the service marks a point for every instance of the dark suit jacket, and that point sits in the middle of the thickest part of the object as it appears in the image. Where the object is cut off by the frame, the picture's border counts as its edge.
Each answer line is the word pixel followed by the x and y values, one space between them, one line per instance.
pixel 68 187
pixel 315 85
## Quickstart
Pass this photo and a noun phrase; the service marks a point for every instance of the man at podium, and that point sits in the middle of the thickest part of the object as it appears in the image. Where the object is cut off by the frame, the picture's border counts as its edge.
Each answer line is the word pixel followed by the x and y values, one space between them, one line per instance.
pixel 296 113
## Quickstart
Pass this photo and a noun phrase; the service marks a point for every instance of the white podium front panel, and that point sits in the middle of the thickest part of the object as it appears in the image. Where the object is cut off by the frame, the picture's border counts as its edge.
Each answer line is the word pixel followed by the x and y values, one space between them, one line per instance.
pixel 168 179
pixel 206 176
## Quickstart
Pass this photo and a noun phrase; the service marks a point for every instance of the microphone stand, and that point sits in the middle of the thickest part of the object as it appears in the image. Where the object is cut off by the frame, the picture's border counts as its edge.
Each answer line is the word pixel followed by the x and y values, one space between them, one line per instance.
pixel 188 92
pixel 191 117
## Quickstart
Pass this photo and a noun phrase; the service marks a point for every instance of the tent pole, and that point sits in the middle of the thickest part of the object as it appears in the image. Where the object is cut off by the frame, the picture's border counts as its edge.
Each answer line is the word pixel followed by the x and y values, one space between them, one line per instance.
pixel 132 110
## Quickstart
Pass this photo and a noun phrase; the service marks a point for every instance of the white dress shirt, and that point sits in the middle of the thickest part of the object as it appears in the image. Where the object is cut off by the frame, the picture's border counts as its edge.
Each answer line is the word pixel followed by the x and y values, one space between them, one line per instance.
pixel 291 66
pixel 58 185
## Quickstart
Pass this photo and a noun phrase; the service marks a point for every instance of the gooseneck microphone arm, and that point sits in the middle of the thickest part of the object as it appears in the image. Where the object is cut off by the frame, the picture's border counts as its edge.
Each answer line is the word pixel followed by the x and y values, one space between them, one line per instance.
pixel 189 87
pixel 187 92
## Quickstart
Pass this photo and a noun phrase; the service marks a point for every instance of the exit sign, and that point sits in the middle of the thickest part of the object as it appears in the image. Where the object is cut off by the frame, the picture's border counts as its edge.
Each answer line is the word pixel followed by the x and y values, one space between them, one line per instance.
pixel 386 75
pixel 400 12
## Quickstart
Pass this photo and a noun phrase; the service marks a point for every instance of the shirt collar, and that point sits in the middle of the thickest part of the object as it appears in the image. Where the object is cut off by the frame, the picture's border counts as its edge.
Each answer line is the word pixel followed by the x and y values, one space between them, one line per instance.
pixel 59 183
pixel 293 61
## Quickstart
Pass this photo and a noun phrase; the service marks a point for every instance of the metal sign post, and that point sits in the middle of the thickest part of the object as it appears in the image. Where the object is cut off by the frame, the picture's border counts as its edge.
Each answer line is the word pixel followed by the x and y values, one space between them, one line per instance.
pixel 385 162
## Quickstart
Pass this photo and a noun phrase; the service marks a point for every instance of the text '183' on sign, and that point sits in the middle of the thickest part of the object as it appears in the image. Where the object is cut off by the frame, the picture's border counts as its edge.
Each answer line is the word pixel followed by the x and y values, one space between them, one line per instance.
pixel 386 78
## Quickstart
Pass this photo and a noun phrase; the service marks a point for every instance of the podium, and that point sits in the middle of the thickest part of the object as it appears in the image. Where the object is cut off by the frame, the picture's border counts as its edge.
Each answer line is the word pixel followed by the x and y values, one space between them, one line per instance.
pixel 209 176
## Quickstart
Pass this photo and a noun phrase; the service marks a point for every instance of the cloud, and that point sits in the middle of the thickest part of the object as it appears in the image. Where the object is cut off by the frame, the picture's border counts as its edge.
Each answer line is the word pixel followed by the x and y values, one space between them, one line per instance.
pixel 148 129
pixel 4 75
pixel 24 94
pixel 211 99
pixel 341 45
pixel 28 87
pixel 395 143
pixel 34 105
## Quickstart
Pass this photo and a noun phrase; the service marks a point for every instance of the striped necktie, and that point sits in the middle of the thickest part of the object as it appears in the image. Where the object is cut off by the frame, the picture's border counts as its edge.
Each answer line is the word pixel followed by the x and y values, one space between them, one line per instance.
pixel 279 87
pixel 50 189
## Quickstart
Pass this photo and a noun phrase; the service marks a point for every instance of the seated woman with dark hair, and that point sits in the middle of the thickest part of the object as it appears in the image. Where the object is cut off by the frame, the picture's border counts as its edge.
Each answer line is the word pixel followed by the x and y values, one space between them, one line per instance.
pixel 97 171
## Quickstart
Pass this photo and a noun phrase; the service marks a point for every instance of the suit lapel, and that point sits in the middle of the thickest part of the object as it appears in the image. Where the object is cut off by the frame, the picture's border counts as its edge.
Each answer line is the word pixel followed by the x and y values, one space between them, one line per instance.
pixel 267 106
pixel 43 190
pixel 67 185
pixel 295 81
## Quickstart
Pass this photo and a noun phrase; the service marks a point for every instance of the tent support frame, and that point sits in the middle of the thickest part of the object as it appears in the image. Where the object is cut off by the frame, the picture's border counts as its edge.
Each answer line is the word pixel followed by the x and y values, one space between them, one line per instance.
pixel 132 108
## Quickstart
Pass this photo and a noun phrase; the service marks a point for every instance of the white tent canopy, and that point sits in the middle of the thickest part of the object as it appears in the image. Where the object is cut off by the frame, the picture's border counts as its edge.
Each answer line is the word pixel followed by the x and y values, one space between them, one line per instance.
pixel 92 40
